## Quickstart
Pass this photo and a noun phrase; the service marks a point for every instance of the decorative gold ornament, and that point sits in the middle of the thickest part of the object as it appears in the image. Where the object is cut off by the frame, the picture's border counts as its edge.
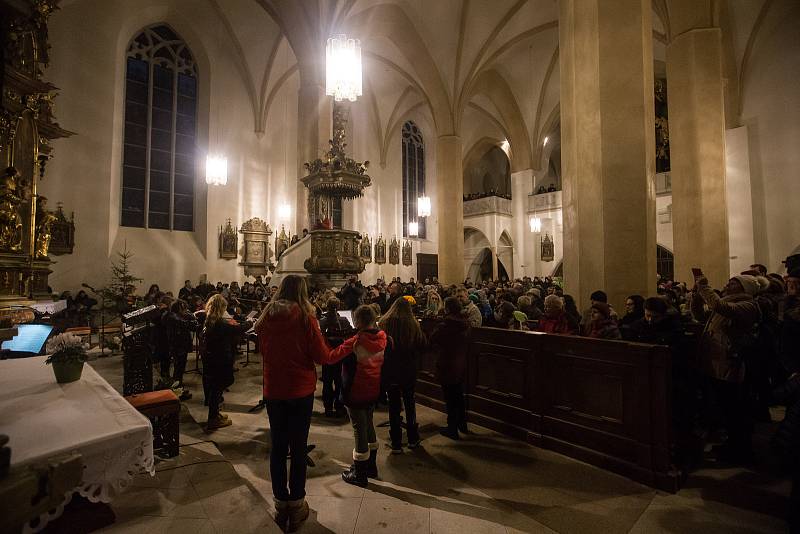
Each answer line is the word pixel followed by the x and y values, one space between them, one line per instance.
pixel 394 252
pixel 407 253
pixel 44 219
pixel 281 243
pixel 228 242
pixel 63 232
pixel 366 249
pixel 380 250
pixel 11 197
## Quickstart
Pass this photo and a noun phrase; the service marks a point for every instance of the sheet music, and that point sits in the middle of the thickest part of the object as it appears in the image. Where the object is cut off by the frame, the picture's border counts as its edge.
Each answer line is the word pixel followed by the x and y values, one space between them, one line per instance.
pixel 347 314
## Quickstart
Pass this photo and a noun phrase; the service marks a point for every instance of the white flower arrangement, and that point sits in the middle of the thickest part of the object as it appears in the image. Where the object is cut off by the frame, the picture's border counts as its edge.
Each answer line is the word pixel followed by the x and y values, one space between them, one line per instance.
pixel 65 347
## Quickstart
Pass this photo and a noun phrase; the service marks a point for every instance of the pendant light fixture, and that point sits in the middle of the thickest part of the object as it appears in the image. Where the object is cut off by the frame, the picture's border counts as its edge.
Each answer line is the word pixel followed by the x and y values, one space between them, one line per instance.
pixel 216 170
pixel 413 229
pixel 424 206
pixel 343 68
pixel 536 225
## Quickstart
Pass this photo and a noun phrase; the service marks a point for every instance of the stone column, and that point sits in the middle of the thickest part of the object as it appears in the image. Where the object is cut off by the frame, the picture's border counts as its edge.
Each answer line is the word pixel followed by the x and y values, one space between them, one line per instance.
pixel 449 214
pixel 697 154
pixel 494 263
pixel 608 148
pixel 314 119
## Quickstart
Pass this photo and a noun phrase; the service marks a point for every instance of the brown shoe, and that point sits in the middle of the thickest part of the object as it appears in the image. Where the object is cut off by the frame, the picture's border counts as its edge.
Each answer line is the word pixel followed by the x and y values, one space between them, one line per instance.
pixel 218 422
pixel 281 513
pixel 298 512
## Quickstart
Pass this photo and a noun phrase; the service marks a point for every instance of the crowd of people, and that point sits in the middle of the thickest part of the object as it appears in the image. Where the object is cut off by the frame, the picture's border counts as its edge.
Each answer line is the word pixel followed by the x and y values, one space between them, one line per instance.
pixel 744 338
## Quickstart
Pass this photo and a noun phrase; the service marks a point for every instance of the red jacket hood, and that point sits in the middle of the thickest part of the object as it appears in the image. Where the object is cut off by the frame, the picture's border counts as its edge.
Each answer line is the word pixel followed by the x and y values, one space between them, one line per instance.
pixel 279 314
pixel 372 340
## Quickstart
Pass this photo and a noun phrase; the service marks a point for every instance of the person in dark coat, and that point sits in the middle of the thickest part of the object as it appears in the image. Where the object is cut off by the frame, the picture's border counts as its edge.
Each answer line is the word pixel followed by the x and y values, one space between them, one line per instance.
pixel 451 341
pixel 333 327
pixel 180 324
pixel 352 293
pixel 219 334
pixel 634 312
pixel 602 325
pixel 399 373
pixel 161 339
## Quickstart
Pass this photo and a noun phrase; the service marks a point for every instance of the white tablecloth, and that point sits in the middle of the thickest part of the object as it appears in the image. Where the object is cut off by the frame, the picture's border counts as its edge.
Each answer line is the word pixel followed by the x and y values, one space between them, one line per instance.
pixel 43 418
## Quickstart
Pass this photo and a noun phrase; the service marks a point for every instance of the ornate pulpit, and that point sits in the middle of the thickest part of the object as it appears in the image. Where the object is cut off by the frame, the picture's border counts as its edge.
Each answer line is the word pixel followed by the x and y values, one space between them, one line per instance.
pixel 335 254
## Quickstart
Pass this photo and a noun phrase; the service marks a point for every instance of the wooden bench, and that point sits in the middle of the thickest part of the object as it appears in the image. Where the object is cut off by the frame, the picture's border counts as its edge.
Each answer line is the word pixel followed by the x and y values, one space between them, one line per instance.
pixel 603 402
pixel 163 409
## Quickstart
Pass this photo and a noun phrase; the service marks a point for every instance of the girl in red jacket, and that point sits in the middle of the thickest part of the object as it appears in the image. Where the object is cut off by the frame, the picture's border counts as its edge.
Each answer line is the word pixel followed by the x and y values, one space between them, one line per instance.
pixel 290 343
pixel 361 386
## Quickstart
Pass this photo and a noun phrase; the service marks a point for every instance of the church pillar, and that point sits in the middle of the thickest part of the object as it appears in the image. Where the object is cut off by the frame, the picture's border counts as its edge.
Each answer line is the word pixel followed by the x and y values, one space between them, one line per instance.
pixel 314 119
pixel 450 208
pixel 608 148
pixel 495 270
pixel 697 154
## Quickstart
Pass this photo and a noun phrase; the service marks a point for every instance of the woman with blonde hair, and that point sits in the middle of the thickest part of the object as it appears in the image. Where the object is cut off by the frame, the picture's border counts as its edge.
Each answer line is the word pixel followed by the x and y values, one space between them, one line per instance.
pixel 399 373
pixel 220 334
pixel 434 306
pixel 290 343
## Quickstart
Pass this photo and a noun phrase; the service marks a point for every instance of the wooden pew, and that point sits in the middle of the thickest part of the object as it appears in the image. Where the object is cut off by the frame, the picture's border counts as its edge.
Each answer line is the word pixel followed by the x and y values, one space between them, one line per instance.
pixel 603 402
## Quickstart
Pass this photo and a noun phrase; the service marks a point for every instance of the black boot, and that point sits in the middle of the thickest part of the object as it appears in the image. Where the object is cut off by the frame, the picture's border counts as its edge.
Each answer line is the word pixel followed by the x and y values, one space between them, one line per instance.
pixel 357 474
pixel 372 465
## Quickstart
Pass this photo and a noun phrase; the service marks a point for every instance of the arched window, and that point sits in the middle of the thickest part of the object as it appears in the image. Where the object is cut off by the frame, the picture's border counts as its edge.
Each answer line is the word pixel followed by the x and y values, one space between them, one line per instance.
pixel 413 176
pixel 158 166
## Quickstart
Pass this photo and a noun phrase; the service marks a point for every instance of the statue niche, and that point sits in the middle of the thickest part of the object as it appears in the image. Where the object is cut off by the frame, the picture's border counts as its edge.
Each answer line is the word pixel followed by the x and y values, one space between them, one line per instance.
pixel 11 198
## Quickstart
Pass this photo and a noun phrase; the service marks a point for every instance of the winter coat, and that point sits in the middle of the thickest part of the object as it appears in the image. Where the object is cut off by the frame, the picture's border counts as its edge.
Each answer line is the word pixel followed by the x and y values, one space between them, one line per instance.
pixel 663 331
pixel 729 325
pixel 361 367
pixel 179 332
pixel 787 438
pixel 334 323
pixel 160 335
pixel 289 349
pixel 789 344
pixel 604 329
pixel 563 324
pixel 400 363
pixel 219 340
pixel 452 343
pixel 473 314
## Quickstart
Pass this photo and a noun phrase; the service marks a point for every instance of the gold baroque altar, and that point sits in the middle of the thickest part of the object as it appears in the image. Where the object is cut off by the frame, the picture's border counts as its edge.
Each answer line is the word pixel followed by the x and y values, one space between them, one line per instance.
pixel 27 127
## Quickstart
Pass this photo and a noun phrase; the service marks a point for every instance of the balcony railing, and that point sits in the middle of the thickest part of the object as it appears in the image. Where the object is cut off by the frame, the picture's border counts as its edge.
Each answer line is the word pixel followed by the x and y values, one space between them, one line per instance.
pixel 487 205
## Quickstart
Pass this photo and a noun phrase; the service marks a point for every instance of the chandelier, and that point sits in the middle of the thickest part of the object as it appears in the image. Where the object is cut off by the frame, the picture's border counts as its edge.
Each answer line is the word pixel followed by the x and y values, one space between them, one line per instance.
pixel 424 206
pixel 413 229
pixel 536 224
pixel 343 68
pixel 216 170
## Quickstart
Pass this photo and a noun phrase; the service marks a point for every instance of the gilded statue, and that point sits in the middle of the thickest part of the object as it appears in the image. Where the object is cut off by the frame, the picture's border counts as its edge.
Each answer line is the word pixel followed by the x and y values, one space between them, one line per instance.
pixel 11 197
pixel 43 221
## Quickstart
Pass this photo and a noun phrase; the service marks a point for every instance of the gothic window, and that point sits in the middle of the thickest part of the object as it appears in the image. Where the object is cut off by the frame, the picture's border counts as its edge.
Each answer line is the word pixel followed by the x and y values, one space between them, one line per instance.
pixel 413 176
pixel 158 165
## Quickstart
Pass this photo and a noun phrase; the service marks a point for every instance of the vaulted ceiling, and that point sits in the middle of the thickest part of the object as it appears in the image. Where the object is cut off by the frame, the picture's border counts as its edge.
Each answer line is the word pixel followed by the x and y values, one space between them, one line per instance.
pixel 477 68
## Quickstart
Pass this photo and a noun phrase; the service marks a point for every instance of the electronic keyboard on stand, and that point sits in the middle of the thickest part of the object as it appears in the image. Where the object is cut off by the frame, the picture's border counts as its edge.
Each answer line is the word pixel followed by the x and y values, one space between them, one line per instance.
pixel 137 350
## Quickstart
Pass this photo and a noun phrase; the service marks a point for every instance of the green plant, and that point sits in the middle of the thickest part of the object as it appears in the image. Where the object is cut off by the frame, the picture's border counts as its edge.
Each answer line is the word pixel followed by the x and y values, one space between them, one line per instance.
pixel 123 282
pixel 65 348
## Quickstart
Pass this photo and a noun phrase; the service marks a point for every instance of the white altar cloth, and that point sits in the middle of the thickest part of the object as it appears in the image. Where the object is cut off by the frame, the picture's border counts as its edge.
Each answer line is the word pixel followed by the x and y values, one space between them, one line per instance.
pixel 43 419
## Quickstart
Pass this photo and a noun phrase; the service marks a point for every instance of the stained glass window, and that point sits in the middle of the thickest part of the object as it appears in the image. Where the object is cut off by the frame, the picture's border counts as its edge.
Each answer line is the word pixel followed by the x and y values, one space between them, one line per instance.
pixel 413 176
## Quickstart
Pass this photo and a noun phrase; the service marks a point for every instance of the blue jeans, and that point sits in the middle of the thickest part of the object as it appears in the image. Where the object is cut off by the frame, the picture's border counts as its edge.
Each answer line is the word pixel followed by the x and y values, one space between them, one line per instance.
pixel 289 421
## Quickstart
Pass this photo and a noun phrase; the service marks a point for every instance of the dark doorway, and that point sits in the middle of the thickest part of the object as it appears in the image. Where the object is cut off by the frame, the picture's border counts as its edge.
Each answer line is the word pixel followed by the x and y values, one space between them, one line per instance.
pixel 427 266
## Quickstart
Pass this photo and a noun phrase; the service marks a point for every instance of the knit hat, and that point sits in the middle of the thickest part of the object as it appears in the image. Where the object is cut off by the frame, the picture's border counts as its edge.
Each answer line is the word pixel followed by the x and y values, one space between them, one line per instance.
pixel 411 300
pixel 520 316
pixel 749 283
pixel 603 308
pixel 474 298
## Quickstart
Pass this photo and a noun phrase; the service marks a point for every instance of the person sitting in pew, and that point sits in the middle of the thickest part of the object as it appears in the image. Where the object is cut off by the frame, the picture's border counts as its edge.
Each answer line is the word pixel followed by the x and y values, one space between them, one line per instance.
pixel 555 320
pixel 602 325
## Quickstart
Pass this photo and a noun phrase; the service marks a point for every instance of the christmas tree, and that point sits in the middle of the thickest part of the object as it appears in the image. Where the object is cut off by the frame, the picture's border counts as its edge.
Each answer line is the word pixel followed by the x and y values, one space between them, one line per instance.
pixel 123 282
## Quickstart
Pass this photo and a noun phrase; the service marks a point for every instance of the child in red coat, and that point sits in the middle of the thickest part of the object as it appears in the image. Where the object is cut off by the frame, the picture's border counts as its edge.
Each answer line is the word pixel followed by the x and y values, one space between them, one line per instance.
pixel 361 384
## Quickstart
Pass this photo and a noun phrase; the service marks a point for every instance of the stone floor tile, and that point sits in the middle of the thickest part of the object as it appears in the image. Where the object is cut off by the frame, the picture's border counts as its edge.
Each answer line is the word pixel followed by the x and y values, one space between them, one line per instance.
pixel 161 525
pixel 392 517
pixel 164 502
pixel 331 514
pixel 443 522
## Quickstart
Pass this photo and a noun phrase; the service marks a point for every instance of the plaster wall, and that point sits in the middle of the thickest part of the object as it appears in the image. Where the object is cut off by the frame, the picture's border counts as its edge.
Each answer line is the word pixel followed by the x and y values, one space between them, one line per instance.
pixel 771 112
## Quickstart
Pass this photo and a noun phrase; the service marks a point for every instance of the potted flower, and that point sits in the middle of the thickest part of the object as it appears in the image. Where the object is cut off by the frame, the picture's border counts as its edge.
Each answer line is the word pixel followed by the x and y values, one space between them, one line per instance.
pixel 67 354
